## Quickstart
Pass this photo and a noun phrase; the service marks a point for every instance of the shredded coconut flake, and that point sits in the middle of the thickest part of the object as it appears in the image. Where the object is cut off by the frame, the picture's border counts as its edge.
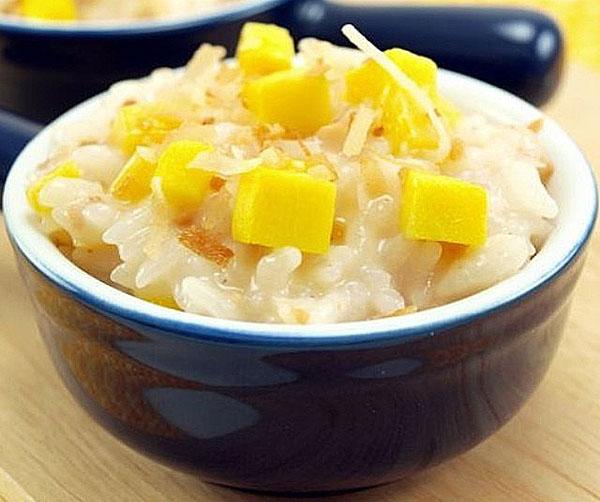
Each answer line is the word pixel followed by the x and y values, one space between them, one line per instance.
pixel 361 42
pixel 223 164
pixel 206 244
pixel 359 131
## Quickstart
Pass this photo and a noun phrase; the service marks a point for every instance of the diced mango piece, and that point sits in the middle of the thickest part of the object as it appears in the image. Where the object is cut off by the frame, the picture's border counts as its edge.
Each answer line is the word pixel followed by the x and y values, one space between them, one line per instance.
pixel 133 182
pixel 419 68
pixel 67 170
pixel 184 187
pixel 369 81
pixel 405 124
pixel 297 100
pixel 50 10
pixel 278 208
pixel 264 48
pixel 448 110
pixel 141 125
pixel 440 208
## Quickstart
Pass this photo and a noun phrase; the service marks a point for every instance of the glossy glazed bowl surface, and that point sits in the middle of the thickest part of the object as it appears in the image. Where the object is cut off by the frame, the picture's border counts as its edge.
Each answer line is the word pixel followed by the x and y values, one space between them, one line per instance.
pixel 311 408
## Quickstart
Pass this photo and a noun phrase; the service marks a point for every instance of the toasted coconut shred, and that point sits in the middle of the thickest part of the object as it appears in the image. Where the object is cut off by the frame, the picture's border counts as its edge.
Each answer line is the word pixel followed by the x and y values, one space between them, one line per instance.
pixel 191 259
pixel 206 244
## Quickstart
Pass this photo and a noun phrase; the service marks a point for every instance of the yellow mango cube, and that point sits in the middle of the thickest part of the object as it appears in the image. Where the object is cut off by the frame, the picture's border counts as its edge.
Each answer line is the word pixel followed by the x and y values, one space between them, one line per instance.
pixel 183 187
pixel 418 68
pixel 369 81
pixel 133 182
pixel 67 170
pixel 141 125
pixel 278 207
pixel 440 208
pixel 264 48
pixel 298 101
pixel 405 125
pixel 50 10
pixel 448 110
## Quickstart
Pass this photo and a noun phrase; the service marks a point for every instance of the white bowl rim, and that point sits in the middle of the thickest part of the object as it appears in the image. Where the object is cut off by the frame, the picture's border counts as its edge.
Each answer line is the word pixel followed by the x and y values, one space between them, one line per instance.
pixel 573 176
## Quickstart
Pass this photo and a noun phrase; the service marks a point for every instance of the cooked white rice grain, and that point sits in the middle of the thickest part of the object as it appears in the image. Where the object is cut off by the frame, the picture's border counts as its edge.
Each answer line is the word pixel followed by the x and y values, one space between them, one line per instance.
pixel 502 256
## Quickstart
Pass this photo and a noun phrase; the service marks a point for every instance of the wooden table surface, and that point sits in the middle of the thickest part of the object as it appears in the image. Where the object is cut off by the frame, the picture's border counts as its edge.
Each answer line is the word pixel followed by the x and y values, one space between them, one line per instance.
pixel 50 450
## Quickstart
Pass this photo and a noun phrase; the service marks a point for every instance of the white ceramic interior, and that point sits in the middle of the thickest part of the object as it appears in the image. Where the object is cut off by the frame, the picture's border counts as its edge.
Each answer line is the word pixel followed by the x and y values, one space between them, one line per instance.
pixel 572 185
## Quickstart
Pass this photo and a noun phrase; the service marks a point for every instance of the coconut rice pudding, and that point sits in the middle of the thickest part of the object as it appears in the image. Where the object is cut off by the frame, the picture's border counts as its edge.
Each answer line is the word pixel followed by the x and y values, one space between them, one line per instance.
pixel 109 10
pixel 341 187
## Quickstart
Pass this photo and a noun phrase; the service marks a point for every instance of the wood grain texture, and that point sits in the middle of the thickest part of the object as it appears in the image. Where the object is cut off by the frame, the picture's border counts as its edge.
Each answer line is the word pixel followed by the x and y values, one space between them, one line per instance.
pixel 10 490
pixel 51 451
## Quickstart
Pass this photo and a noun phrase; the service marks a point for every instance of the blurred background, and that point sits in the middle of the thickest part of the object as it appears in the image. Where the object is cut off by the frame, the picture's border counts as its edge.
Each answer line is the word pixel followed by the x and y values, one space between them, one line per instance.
pixel 579 19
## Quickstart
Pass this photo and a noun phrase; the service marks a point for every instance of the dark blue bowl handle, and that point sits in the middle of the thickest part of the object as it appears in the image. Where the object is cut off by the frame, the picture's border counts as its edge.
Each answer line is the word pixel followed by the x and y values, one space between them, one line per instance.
pixel 15 133
pixel 518 50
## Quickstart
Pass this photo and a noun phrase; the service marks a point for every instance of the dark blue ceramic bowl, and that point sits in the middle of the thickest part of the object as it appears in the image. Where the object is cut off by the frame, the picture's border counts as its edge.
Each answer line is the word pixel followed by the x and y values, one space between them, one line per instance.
pixel 311 408
pixel 46 69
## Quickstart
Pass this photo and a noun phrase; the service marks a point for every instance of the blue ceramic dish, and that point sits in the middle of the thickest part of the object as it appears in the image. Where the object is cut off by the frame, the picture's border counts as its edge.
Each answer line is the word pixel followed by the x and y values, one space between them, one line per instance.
pixel 311 408
pixel 48 68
